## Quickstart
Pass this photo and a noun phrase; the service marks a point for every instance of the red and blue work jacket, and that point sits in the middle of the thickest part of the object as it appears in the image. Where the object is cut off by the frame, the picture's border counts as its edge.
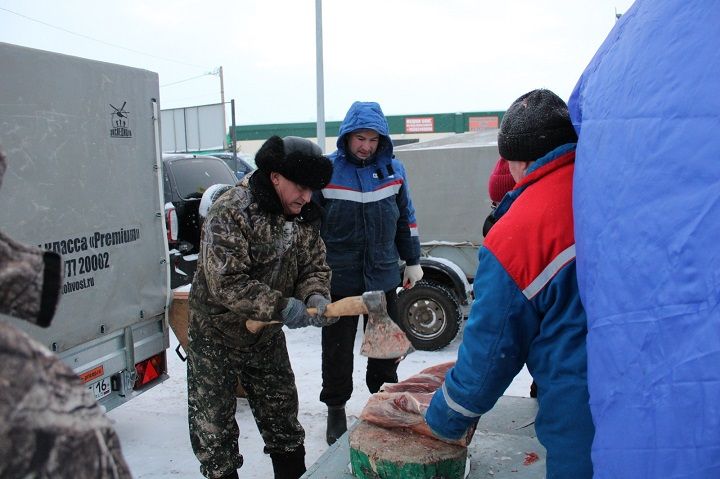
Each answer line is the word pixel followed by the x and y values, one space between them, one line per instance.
pixel 527 310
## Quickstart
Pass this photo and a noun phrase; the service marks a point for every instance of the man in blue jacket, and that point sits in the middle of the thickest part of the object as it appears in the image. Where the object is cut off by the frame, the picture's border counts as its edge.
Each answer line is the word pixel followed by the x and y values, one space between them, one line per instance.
pixel 369 225
pixel 527 308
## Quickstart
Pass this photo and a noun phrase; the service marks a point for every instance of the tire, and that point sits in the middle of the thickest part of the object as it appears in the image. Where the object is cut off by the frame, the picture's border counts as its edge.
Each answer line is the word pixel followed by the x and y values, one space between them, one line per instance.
pixel 430 315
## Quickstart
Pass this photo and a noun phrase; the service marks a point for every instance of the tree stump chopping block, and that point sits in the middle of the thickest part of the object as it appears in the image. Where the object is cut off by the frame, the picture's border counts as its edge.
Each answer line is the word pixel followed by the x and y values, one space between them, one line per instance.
pixel 380 453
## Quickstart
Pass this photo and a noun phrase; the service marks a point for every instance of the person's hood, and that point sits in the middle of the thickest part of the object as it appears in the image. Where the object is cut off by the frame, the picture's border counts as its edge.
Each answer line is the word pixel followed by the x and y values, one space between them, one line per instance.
pixel 30 278
pixel 366 115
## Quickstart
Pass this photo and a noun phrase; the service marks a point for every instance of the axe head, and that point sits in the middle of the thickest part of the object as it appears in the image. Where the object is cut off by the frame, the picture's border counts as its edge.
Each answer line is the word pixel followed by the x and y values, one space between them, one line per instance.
pixel 383 337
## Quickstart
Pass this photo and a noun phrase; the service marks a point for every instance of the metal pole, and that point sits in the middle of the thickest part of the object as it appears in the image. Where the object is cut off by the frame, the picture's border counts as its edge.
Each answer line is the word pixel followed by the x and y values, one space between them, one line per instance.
pixel 319 79
pixel 232 133
pixel 222 100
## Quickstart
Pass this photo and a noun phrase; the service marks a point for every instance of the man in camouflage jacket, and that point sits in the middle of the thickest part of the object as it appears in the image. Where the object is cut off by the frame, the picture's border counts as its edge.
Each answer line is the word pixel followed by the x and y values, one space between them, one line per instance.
pixel 50 424
pixel 261 258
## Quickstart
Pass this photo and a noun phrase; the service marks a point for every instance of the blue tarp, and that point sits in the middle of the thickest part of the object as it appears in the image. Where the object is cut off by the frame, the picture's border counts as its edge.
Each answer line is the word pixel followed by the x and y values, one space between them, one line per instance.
pixel 647 227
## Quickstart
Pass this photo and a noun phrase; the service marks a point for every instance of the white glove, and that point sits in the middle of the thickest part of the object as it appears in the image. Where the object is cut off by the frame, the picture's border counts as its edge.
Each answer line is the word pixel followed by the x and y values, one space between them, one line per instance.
pixel 412 275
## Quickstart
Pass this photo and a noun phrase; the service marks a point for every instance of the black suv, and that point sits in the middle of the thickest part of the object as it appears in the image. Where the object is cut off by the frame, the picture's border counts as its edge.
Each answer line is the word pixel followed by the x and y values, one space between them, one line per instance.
pixel 241 163
pixel 185 179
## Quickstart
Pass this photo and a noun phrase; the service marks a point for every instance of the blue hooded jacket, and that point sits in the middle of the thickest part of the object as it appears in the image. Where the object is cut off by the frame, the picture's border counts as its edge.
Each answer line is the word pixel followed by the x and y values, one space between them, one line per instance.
pixel 369 221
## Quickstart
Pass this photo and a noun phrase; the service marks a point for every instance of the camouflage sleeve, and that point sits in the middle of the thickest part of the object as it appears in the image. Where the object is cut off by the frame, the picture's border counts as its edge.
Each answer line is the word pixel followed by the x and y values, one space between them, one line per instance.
pixel 228 265
pixel 314 272
pixel 29 282
pixel 51 425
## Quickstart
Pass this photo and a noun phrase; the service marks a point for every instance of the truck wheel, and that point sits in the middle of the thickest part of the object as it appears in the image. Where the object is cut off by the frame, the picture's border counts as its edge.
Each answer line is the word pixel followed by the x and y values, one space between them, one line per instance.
pixel 430 315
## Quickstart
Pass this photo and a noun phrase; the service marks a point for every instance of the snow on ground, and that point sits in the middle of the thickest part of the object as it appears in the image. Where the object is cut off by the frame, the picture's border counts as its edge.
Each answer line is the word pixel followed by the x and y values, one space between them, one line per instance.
pixel 153 427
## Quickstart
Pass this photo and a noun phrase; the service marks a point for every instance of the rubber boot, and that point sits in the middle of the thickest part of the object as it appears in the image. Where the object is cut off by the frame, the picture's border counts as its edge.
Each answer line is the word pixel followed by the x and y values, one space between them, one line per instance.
pixel 289 465
pixel 336 423
pixel 533 390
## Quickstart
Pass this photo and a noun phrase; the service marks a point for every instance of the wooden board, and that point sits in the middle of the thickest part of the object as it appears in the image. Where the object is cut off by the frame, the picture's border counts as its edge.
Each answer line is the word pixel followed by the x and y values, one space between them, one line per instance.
pixel 379 453
pixel 178 317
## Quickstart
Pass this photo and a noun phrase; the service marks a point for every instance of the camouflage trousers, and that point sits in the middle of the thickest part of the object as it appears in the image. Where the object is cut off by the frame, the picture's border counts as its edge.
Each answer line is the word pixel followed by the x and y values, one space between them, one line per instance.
pixel 266 375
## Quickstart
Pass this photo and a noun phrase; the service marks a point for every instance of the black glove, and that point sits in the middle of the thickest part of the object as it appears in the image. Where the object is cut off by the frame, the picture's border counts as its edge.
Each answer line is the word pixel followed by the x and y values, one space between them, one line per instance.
pixel 489 222
pixel 295 315
pixel 320 302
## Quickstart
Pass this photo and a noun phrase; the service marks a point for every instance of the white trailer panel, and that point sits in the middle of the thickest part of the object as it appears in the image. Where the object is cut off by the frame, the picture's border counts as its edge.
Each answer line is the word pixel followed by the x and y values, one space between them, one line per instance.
pixel 82 141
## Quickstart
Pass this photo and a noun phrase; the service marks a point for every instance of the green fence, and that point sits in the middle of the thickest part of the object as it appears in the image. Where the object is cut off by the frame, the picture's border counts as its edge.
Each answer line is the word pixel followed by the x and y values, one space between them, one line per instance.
pixel 399 124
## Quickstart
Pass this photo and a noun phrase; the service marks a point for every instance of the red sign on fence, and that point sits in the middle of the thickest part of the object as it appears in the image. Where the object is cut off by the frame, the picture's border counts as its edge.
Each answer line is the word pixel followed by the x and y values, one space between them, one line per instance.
pixel 420 125
pixel 477 123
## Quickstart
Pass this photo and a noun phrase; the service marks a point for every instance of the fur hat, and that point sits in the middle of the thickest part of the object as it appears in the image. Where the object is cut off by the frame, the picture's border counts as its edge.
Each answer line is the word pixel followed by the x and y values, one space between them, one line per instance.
pixel 535 124
pixel 297 159
pixel 500 181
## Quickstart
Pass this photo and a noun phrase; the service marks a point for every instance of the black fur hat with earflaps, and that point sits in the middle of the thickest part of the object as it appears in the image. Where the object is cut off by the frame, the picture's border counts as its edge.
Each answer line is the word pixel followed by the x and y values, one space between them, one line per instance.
pixel 297 159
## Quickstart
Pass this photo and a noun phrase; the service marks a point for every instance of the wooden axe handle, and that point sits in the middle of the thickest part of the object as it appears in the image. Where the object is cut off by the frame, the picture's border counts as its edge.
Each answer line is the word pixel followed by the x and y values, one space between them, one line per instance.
pixel 350 306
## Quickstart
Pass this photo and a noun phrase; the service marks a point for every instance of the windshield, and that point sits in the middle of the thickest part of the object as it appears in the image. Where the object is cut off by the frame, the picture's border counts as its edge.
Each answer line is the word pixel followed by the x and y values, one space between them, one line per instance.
pixel 194 175
pixel 249 160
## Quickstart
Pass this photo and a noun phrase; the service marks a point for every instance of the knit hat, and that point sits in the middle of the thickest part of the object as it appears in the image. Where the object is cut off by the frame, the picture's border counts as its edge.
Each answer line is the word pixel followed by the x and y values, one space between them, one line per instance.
pixel 535 124
pixel 297 159
pixel 500 181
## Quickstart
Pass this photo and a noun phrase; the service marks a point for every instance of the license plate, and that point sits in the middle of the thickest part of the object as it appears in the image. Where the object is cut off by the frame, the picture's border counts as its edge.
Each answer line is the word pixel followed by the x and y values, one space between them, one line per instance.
pixel 100 388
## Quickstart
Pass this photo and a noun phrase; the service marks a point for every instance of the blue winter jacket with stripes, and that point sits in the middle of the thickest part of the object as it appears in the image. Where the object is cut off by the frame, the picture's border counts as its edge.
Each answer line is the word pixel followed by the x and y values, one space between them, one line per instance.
pixel 369 221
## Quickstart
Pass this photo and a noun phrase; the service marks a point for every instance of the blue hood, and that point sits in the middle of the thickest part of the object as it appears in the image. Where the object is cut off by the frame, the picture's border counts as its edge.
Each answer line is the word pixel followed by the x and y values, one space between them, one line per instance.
pixel 364 115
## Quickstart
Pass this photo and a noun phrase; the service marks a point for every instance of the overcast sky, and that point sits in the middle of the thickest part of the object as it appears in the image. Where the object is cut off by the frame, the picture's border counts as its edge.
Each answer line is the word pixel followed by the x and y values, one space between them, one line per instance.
pixel 411 56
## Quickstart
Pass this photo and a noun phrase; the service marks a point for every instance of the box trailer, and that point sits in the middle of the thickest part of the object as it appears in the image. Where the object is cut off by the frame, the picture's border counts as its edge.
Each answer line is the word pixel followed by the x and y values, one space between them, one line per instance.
pixel 82 140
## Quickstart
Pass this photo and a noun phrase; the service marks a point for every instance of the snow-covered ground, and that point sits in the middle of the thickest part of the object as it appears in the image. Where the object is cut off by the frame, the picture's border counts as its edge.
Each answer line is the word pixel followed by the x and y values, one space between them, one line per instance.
pixel 153 427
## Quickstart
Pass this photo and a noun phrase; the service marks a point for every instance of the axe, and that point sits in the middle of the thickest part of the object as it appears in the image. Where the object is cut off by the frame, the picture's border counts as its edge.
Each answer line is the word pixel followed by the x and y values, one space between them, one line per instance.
pixel 383 338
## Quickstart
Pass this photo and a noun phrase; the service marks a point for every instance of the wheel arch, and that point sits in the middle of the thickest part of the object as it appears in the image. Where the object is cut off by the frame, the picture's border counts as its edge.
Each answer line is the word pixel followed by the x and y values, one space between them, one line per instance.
pixel 446 273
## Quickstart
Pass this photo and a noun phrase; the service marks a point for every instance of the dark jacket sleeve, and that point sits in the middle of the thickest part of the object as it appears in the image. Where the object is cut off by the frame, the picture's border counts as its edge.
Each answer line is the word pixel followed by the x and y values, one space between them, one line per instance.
pixel 407 239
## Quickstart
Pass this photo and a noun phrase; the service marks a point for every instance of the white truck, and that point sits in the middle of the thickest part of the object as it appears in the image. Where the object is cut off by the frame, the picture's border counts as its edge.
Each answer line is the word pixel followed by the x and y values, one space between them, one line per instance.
pixel 82 139
pixel 449 188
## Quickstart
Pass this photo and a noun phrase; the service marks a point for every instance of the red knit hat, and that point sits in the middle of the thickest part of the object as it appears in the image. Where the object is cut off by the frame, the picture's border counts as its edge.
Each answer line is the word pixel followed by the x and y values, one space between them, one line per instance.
pixel 501 181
